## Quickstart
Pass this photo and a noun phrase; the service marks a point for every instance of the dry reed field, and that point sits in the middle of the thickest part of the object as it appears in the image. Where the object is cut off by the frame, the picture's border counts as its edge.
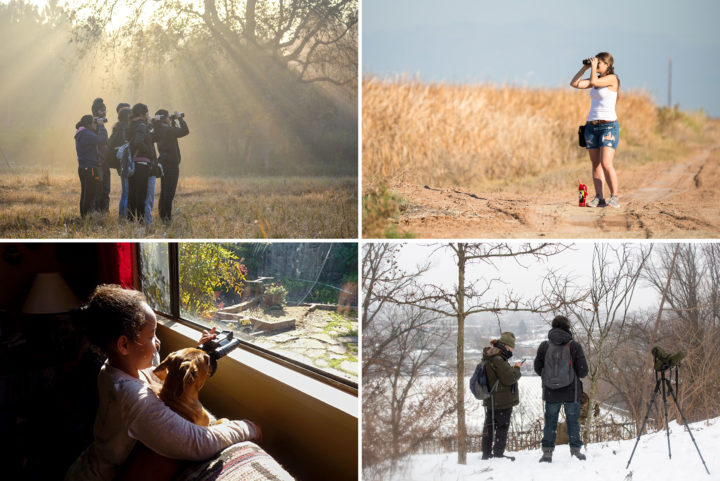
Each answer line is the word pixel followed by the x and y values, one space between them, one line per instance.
pixel 464 135
pixel 472 161
pixel 46 206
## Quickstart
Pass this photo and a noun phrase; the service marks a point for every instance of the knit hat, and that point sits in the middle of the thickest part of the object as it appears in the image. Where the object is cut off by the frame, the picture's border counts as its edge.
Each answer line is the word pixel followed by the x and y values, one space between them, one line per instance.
pixel 98 107
pixel 507 338
pixel 121 106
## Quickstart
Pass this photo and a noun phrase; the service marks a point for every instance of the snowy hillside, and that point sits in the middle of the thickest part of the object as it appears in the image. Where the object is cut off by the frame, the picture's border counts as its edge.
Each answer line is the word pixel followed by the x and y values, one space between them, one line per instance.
pixel 605 461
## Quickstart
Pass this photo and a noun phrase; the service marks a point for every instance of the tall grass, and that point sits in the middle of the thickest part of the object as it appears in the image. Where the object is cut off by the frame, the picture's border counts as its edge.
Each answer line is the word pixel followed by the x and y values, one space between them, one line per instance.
pixel 47 206
pixel 467 134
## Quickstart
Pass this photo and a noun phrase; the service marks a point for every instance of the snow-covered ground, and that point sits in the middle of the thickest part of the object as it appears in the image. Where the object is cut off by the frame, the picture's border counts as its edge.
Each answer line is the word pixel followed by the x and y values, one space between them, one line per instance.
pixel 605 461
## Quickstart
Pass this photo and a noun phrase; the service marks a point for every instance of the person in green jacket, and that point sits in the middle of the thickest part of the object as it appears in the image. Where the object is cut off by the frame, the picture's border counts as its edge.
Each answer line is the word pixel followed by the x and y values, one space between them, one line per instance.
pixel 499 406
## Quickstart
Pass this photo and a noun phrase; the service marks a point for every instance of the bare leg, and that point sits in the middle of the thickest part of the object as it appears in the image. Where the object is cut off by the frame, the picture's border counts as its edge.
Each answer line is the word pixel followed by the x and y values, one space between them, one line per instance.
pixel 597 171
pixel 607 156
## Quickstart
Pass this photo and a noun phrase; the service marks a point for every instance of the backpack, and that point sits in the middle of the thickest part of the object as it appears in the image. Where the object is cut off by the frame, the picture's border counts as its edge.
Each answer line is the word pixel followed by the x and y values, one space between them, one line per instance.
pixel 558 371
pixel 479 382
pixel 127 166
pixel 117 138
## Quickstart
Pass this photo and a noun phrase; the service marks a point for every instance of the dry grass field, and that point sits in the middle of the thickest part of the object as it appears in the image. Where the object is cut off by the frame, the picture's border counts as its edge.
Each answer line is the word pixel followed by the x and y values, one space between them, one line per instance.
pixel 484 139
pixel 47 206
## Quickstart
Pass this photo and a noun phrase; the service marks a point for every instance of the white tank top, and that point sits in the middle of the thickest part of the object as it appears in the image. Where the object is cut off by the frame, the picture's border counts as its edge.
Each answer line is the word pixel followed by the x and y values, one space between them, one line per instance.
pixel 602 106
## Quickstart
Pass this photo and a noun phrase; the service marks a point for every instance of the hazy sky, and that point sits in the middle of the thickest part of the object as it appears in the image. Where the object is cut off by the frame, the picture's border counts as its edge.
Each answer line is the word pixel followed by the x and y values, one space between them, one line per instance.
pixel 534 43
pixel 526 279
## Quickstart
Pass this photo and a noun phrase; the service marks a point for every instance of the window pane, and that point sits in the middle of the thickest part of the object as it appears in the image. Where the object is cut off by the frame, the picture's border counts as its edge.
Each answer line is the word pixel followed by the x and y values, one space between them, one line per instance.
pixel 155 275
pixel 298 300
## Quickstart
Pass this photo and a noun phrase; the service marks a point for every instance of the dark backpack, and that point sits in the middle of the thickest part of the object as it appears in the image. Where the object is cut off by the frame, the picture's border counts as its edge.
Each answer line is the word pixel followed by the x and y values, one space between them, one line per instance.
pixel 558 371
pixel 479 382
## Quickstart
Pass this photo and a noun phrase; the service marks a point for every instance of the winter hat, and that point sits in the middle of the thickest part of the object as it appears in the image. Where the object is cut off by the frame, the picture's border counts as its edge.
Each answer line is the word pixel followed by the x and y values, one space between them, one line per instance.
pixel 561 322
pixel 163 113
pixel 121 106
pixel 507 338
pixel 98 107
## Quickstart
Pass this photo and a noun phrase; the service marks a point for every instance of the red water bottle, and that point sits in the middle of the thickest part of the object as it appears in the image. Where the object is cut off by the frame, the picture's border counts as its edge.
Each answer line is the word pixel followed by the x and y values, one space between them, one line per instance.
pixel 582 194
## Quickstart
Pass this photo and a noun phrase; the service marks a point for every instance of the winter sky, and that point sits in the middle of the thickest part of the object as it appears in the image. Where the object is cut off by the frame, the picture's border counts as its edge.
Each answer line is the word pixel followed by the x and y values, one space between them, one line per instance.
pixel 524 278
pixel 541 44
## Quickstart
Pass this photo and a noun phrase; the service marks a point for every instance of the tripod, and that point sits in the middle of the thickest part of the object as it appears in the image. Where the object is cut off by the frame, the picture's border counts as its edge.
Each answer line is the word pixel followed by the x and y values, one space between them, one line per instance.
pixel 665 381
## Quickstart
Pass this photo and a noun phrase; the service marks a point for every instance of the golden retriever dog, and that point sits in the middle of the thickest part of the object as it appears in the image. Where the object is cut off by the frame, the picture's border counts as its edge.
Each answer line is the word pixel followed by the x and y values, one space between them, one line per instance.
pixel 184 373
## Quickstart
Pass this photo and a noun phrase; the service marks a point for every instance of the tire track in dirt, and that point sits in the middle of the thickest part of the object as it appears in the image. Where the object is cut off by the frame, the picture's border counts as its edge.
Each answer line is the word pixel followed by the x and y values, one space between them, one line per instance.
pixel 658 200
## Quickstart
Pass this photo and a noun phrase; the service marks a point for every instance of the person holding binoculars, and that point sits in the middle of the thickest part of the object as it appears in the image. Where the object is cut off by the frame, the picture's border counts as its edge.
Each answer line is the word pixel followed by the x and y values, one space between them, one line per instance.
pixel 602 131
pixel 167 129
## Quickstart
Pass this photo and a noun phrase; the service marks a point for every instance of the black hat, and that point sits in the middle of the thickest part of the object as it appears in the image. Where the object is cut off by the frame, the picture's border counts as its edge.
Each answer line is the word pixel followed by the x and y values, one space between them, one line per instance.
pixel 139 109
pixel 121 105
pixel 162 113
pixel 98 107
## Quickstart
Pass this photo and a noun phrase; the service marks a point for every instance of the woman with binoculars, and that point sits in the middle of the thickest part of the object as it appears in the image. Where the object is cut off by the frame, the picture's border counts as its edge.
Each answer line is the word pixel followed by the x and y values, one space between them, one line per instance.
pixel 602 131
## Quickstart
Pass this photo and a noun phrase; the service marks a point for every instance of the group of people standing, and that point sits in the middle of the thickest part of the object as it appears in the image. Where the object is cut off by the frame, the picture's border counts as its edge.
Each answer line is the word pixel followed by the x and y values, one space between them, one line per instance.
pixel 558 360
pixel 130 149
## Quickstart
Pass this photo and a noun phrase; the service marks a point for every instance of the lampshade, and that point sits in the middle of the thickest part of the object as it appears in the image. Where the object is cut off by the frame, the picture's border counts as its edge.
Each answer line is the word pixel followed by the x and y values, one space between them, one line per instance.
pixel 50 294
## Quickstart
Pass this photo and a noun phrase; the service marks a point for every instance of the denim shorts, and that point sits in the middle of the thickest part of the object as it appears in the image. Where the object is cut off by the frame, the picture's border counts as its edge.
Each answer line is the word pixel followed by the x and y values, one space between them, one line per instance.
pixel 602 135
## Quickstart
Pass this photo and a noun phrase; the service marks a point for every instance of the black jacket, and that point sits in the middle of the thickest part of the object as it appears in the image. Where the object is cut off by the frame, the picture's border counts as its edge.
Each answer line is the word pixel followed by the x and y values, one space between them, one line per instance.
pixel 141 143
pixel 506 394
pixel 166 137
pixel 572 392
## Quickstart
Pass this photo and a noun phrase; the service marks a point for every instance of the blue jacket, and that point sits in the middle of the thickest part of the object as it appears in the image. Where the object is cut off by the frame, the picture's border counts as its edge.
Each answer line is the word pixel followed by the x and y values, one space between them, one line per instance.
pixel 87 143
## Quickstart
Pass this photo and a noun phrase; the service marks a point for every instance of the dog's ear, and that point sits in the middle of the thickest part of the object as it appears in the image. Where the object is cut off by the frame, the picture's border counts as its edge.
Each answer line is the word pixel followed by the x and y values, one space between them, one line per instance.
pixel 191 372
pixel 162 368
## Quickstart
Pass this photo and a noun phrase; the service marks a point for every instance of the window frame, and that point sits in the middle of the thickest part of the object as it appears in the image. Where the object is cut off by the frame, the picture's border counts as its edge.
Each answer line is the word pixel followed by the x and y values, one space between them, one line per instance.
pixel 338 382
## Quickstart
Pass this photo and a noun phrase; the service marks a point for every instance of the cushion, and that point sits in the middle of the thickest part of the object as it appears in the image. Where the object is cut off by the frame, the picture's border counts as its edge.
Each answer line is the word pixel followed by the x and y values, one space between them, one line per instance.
pixel 240 462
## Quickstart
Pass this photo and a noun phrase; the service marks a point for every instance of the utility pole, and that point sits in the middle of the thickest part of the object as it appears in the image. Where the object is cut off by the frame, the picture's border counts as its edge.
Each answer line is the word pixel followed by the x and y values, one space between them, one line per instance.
pixel 670 83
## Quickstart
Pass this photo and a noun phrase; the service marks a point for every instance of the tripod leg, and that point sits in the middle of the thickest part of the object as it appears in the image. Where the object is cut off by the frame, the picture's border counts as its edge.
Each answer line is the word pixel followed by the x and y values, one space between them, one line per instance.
pixel 642 428
pixel 688 427
pixel 667 429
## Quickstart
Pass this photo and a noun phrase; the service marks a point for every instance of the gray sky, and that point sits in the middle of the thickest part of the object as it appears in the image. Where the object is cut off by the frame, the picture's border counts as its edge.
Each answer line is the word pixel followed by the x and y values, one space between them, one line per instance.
pixel 540 44
pixel 575 262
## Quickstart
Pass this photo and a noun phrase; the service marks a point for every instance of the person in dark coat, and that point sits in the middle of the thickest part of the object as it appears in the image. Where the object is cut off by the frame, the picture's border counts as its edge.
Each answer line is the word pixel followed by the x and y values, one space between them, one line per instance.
pixel 143 151
pixel 567 397
pixel 499 406
pixel 118 137
pixel 99 111
pixel 89 136
pixel 166 132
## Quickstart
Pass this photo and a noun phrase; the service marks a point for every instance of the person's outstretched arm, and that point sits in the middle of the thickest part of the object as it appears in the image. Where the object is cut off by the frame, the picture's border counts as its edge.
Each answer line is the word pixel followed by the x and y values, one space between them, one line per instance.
pixel 167 433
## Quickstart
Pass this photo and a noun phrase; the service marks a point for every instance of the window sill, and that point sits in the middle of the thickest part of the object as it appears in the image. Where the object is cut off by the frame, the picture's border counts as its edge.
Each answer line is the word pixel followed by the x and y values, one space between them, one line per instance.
pixel 290 378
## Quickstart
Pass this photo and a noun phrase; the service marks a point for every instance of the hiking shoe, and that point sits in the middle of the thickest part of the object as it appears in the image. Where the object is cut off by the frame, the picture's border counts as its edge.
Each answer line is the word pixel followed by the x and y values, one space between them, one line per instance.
pixel 614 202
pixel 596 202
pixel 547 455
pixel 576 452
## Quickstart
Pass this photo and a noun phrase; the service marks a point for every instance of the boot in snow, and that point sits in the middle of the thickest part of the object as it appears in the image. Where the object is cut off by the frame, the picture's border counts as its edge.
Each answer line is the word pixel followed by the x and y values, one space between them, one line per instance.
pixel 547 455
pixel 576 452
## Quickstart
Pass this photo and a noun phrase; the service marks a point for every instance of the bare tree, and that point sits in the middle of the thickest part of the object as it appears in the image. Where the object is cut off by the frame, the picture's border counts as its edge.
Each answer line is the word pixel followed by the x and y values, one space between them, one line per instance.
pixel 473 297
pixel 315 40
pixel 400 342
pixel 399 412
pixel 601 309
pixel 691 322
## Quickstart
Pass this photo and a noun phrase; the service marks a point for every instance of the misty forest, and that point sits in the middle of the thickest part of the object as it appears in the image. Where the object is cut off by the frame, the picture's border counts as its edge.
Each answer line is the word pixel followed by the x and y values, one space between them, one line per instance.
pixel 423 336
pixel 268 89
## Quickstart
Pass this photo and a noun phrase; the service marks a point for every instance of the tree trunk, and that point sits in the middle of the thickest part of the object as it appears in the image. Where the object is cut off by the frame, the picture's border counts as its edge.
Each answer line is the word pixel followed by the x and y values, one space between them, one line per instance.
pixel 462 431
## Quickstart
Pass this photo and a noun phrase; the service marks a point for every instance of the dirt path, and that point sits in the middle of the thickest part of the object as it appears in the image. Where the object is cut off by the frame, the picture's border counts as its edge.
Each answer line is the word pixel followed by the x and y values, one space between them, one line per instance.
pixel 658 200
